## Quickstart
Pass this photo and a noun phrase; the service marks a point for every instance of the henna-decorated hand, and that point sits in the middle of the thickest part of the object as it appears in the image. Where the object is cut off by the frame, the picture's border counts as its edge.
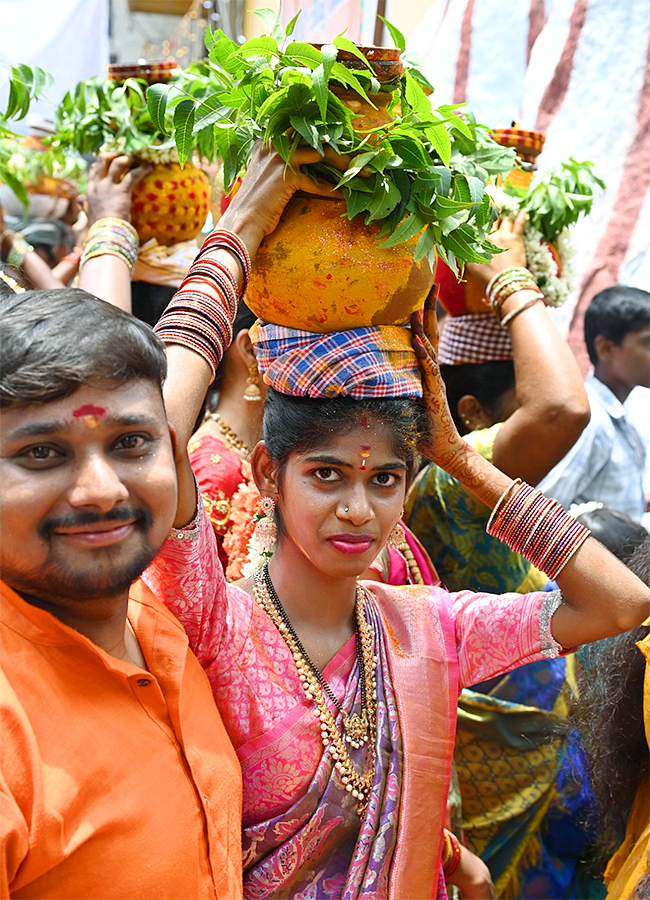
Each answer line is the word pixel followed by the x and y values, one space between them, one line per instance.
pixel 443 443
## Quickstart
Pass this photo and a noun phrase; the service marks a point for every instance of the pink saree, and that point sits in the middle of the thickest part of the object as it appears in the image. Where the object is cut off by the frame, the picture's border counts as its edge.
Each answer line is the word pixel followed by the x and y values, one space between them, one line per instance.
pixel 302 837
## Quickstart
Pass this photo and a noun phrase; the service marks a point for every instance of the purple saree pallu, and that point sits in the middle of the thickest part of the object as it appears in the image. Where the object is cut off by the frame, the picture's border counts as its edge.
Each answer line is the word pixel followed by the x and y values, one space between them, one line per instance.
pixel 319 847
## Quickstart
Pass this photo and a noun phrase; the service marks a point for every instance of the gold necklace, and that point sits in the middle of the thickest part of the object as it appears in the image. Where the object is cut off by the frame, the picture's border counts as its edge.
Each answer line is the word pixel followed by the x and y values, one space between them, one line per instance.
pixel 231 439
pixel 359 729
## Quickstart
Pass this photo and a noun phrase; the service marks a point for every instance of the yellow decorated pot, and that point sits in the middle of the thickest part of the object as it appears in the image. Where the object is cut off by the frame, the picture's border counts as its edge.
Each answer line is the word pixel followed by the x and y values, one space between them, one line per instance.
pixel 319 271
pixel 170 204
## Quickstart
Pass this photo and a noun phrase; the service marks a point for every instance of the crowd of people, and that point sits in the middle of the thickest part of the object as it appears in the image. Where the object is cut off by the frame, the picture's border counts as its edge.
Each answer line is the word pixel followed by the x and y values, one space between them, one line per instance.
pixel 264 638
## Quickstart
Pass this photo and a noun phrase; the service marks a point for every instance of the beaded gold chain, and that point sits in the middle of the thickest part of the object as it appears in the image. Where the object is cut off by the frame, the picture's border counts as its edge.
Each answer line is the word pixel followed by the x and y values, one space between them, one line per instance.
pixel 230 437
pixel 359 730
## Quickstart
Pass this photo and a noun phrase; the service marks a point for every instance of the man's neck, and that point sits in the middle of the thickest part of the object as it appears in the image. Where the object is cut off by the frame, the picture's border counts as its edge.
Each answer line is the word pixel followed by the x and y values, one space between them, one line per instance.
pixel 102 621
pixel 620 389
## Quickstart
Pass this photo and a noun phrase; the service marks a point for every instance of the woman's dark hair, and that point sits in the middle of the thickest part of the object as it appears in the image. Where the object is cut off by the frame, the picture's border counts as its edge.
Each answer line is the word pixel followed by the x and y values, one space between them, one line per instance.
pixel 486 381
pixel 609 713
pixel 614 530
pixel 299 424
pixel 55 341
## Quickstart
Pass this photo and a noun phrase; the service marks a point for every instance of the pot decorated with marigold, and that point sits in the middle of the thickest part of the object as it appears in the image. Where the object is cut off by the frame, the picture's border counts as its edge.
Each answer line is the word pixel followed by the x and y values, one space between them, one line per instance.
pixel 172 202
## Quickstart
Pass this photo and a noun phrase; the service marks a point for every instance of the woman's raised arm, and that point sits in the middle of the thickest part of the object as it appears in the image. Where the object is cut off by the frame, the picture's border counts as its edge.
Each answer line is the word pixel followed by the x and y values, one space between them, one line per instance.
pixel 253 213
pixel 602 597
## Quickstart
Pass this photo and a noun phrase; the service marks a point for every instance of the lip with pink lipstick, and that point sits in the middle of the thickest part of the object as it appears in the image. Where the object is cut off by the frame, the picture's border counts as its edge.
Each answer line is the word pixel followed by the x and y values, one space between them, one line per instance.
pixel 351 544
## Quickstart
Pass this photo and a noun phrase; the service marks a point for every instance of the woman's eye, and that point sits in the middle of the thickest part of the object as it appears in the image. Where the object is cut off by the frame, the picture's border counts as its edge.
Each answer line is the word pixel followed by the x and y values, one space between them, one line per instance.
pixel 386 479
pixel 325 473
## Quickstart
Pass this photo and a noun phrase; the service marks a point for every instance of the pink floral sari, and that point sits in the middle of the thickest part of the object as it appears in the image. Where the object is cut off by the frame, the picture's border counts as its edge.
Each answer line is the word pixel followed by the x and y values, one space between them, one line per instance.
pixel 302 836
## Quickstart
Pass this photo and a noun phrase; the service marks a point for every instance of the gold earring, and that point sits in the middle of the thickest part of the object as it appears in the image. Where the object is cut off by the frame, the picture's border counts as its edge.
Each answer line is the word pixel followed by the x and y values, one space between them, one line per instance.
pixel 265 533
pixel 252 393
pixel 396 538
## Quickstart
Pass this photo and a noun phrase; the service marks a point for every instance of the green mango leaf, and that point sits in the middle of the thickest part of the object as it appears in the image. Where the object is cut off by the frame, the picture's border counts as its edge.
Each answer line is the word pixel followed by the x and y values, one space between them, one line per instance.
pixel 184 115
pixel 262 46
pixel 439 137
pixel 344 43
pixel 304 54
pixel 291 25
pixel 270 18
pixel 396 35
pixel 157 104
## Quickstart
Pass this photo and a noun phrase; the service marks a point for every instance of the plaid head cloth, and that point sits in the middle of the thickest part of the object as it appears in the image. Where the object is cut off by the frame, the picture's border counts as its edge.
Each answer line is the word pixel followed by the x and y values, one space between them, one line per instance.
pixel 474 338
pixel 377 361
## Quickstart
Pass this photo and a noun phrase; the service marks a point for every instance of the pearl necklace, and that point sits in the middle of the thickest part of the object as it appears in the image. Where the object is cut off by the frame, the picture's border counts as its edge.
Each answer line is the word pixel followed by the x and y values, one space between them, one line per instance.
pixel 231 439
pixel 359 729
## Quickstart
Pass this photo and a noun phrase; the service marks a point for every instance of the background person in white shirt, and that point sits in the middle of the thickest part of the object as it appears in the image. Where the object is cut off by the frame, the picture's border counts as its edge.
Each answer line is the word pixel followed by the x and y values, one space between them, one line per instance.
pixel 606 464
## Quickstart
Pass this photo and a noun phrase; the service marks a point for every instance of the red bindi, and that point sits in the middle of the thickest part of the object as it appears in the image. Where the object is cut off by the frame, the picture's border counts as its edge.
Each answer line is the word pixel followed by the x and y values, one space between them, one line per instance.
pixel 88 414
pixel 364 453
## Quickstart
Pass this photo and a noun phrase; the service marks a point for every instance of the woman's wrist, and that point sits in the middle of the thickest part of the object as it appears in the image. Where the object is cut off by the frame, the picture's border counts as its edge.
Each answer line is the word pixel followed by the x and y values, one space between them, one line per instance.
pixel 477 474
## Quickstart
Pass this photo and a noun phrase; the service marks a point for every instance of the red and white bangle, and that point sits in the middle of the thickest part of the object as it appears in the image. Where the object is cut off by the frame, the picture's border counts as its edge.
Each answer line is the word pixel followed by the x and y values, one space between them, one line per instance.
pixel 537 527
pixel 227 240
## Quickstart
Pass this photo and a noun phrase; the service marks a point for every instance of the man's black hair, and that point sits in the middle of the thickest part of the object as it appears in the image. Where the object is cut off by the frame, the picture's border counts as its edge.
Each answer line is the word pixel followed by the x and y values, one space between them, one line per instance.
pixel 55 341
pixel 613 313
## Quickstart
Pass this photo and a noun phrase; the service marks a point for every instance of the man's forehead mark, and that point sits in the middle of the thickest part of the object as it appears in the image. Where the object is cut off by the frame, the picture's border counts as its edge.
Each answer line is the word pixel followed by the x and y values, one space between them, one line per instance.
pixel 89 414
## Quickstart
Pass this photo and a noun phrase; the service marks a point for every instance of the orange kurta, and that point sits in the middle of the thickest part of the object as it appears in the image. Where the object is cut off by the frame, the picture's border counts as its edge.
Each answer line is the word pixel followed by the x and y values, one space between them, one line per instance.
pixel 115 781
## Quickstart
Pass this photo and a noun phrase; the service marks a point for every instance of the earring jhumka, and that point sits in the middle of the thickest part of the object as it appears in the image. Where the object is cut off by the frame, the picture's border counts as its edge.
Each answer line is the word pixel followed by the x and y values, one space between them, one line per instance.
pixel 253 393
pixel 396 538
pixel 265 533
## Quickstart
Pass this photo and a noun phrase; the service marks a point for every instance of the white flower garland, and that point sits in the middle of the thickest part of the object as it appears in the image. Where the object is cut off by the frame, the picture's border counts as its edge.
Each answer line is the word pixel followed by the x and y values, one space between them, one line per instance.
pixel 257 553
pixel 539 259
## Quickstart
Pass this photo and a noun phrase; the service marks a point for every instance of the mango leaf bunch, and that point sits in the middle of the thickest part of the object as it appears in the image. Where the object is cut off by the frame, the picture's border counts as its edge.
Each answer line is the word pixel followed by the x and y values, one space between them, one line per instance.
pixel 26 83
pixel 424 172
pixel 100 115
pixel 558 197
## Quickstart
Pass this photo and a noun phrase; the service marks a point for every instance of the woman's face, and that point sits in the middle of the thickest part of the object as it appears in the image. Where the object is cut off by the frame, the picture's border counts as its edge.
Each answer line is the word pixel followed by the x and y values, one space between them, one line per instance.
pixel 340 501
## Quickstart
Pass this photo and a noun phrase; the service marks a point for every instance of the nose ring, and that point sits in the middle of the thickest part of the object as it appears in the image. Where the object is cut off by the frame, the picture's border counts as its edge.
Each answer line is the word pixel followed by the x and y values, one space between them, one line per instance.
pixel 346 509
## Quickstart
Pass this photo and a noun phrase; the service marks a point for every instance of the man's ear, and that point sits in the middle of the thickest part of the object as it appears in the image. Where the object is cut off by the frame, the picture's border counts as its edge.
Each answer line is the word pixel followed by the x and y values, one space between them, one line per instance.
pixel 603 347
pixel 265 470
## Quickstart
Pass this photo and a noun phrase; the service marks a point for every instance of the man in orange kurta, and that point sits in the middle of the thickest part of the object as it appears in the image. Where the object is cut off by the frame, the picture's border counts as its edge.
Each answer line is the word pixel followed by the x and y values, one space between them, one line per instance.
pixel 117 779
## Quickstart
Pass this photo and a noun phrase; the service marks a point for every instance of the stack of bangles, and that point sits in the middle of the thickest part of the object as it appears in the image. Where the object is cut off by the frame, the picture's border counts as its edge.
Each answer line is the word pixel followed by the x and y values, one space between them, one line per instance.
pixel 508 282
pixel 450 853
pixel 200 316
pixel 537 527
pixel 111 237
